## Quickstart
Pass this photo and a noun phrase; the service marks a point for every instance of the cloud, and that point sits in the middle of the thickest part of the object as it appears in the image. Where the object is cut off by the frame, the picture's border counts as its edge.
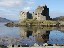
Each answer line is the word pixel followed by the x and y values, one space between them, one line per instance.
pixel 13 3
pixel 9 3
pixel 11 8
pixel 24 4
pixel 26 9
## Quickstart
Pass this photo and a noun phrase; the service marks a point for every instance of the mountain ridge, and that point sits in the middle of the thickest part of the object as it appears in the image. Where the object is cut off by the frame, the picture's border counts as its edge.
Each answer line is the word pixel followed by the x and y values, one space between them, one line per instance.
pixel 61 18
pixel 4 20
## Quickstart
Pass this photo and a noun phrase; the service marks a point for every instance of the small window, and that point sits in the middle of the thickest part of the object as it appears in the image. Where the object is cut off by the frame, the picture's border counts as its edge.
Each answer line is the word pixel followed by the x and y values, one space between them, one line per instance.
pixel 35 14
pixel 23 12
pixel 36 18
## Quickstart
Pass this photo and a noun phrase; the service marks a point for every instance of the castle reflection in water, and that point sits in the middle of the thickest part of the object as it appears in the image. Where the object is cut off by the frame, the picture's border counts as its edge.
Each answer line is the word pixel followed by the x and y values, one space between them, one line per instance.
pixel 31 35
pixel 39 35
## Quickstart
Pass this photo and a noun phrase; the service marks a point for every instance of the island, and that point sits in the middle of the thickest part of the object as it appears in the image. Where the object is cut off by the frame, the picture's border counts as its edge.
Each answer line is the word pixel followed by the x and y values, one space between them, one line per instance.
pixel 38 18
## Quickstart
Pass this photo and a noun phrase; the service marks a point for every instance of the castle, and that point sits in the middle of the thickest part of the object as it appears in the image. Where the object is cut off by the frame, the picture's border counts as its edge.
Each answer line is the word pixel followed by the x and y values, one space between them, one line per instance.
pixel 41 13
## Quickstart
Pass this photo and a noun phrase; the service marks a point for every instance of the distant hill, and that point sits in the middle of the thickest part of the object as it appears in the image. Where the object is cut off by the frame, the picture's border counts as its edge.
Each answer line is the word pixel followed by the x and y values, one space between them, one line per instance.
pixel 61 18
pixel 4 20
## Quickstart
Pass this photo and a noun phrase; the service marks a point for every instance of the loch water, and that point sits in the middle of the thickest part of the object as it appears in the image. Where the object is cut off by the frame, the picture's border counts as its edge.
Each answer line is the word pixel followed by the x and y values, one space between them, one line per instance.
pixel 31 35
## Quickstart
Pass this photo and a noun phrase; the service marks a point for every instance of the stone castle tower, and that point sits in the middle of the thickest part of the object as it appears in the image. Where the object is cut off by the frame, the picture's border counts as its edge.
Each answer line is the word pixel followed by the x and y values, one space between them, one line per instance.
pixel 25 15
pixel 41 13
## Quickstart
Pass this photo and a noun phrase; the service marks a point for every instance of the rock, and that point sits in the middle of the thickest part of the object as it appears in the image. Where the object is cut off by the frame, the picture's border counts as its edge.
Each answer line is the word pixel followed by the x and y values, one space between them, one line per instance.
pixel 10 24
pixel 45 44
pixel 36 45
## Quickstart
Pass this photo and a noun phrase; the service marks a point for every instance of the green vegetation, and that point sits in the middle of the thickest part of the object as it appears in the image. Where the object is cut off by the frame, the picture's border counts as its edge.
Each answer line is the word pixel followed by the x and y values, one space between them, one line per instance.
pixel 36 22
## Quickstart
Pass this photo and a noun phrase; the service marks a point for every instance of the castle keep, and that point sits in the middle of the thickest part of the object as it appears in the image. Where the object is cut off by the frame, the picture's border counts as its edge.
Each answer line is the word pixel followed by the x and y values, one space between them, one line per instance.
pixel 25 15
pixel 41 13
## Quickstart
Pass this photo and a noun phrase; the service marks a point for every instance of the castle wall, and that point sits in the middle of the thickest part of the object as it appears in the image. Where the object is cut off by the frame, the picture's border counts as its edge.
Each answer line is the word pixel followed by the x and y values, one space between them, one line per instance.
pixel 41 13
pixel 39 9
pixel 23 16
pixel 39 17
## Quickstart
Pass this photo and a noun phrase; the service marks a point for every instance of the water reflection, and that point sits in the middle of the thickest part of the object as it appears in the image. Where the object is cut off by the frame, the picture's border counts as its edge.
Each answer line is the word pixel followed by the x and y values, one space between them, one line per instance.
pixel 32 35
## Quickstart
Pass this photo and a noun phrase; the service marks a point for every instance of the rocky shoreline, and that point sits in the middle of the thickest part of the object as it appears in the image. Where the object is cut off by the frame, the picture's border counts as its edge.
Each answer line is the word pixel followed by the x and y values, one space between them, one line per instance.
pixel 12 24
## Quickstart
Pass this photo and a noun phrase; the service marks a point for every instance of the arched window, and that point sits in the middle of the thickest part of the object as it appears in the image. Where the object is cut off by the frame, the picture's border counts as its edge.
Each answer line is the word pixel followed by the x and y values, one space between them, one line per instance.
pixel 35 13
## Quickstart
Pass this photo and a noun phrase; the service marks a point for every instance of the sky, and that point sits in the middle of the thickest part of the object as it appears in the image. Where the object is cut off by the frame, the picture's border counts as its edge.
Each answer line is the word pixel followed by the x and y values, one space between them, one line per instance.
pixel 11 9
